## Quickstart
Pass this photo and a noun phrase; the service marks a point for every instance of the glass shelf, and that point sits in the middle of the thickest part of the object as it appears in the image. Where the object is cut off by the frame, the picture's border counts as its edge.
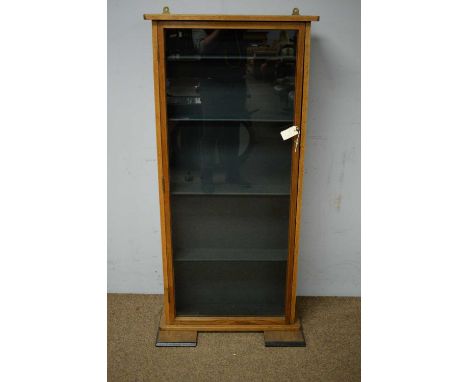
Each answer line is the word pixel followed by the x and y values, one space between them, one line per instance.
pixel 285 121
pixel 230 254
pixel 195 57
pixel 196 188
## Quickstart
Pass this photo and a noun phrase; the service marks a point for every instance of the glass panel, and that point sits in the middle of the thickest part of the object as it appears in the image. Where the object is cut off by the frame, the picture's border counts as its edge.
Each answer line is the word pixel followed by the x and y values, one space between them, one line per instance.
pixel 229 95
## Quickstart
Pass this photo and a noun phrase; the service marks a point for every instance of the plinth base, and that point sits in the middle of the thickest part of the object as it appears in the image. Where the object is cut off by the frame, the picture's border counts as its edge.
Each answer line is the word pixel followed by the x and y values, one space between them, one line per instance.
pixel 284 338
pixel 184 332
pixel 175 338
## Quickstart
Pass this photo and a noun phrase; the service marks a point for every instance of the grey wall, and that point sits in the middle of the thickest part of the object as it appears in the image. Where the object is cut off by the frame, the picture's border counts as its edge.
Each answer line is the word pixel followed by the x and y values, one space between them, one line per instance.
pixel 329 262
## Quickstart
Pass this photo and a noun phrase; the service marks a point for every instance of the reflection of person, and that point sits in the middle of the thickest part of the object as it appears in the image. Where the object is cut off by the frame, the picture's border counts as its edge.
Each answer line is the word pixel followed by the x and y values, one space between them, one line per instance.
pixel 223 95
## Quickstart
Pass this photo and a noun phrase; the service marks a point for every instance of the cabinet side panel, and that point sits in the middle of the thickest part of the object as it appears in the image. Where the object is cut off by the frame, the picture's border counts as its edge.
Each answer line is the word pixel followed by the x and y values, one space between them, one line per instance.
pixel 302 145
pixel 290 287
pixel 163 212
pixel 169 294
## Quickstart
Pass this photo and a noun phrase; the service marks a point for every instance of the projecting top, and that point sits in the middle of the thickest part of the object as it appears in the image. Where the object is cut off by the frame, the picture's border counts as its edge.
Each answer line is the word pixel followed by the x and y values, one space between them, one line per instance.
pixel 184 17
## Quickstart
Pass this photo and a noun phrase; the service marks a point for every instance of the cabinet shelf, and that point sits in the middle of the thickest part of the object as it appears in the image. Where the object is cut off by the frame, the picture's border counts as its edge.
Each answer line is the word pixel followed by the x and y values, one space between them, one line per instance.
pixel 231 189
pixel 259 120
pixel 195 57
pixel 230 254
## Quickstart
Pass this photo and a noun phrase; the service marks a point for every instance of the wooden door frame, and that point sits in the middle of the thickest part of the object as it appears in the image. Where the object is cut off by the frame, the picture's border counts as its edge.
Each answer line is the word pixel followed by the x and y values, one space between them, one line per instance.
pixel 289 320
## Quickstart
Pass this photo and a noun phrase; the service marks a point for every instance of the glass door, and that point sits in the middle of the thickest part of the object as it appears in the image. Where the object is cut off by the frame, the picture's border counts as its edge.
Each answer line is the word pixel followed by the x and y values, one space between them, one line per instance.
pixel 229 94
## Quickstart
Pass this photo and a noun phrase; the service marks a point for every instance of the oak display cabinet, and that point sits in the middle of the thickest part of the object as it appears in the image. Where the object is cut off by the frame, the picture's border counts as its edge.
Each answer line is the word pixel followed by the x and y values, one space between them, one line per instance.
pixel 231 104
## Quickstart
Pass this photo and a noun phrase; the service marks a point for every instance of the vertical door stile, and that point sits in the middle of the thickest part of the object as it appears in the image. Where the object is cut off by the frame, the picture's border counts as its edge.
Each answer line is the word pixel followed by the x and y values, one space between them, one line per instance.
pixel 159 153
pixel 304 100
pixel 167 248
pixel 290 299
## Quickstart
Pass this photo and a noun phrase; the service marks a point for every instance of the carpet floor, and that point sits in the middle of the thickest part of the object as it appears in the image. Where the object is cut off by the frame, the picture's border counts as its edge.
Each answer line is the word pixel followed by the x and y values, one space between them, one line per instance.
pixel 331 325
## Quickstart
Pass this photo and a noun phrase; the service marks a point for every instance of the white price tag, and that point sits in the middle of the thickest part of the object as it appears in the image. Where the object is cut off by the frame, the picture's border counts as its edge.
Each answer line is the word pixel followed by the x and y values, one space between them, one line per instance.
pixel 290 132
